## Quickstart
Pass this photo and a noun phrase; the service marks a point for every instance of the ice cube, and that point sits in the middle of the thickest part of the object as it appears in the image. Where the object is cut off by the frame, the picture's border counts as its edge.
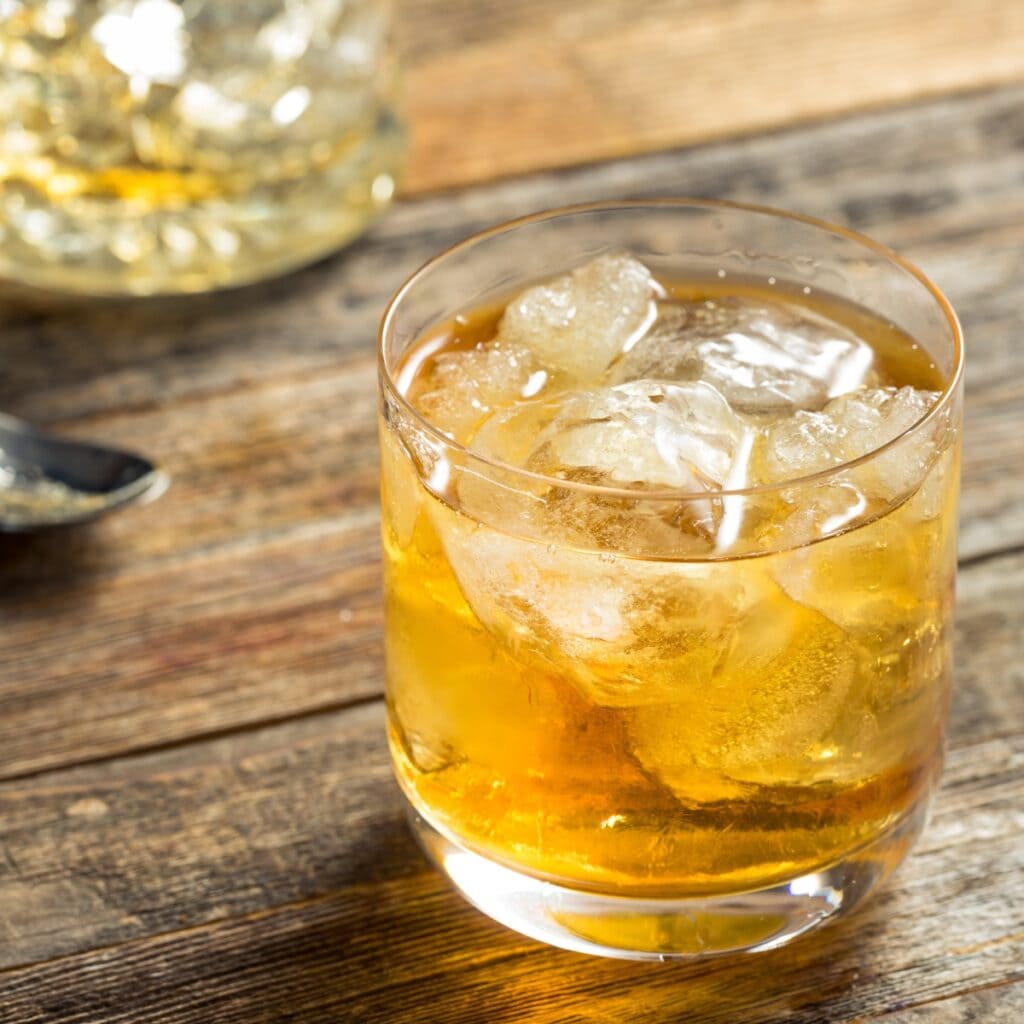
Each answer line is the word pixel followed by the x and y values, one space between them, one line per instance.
pixel 581 322
pixel 637 436
pixel 882 581
pixel 401 494
pixel 462 387
pixel 847 428
pixel 936 497
pixel 681 436
pixel 888 587
pixel 529 592
pixel 625 631
pixel 764 357
pixel 873 581
pixel 667 351
pixel 764 715
pixel 679 623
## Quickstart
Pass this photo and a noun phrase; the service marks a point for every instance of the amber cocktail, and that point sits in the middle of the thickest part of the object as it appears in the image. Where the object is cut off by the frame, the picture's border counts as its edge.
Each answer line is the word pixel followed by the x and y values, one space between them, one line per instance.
pixel 669 511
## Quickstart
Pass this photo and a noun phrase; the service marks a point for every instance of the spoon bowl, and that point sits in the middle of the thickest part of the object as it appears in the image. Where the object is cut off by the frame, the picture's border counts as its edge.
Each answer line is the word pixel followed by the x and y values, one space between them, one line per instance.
pixel 47 480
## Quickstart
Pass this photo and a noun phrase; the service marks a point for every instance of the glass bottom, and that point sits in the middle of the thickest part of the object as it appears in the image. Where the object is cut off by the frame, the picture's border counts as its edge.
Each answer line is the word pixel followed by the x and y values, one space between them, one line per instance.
pixel 668 929
pixel 140 241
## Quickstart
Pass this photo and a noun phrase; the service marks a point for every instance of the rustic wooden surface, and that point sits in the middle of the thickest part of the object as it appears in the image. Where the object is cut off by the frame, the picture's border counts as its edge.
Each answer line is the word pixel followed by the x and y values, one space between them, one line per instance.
pixel 197 819
pixel 556 84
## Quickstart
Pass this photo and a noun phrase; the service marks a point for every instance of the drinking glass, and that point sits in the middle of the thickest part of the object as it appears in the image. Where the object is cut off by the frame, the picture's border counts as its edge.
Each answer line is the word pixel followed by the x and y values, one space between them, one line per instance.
pixel 609 743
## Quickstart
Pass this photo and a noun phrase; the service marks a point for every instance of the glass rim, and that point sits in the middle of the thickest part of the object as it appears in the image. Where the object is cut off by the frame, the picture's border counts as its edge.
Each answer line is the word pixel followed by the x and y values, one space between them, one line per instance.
pixel 529 477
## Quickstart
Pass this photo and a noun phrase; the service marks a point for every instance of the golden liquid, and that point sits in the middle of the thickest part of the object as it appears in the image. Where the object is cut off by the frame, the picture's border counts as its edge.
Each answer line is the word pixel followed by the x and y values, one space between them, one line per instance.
pixel 766 717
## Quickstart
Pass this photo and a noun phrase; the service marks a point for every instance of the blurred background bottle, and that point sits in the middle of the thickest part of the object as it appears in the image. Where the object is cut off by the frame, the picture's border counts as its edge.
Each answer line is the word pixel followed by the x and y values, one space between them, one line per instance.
pixel 155 146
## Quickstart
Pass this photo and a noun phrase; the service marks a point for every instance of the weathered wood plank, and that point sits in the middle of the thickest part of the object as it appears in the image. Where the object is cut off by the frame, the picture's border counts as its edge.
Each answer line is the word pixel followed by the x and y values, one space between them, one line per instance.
pixel 136 846
pixel 948 193
pixel 204 374
pixel 497 89
pixel 252 466
pixel 277 630
pixel 300 817
pixel 96 855
pixel 263 873
pixel 987 697
pixel 1003 1004
pixel 288 627
pixel 194 614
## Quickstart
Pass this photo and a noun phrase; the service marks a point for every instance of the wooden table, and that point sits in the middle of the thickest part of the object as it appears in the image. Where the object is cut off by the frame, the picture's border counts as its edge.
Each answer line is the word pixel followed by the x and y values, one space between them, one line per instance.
pixel 197 818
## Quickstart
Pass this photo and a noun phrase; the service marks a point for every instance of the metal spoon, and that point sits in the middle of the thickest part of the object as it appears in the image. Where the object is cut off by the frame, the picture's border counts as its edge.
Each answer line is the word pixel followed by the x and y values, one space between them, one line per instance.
pixel 49 481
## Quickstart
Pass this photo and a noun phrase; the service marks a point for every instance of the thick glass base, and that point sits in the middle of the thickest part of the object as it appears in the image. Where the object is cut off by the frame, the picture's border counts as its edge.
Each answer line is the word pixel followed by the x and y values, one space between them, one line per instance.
pixel 668 929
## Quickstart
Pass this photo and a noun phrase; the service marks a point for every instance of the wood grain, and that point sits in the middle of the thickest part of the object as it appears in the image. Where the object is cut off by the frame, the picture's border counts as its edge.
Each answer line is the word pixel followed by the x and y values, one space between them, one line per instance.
pixel 293 627
pixel 280 629
pixel 1003 1004
pixel 132 848
pixel 221 604
pixel 279 862
pixel 498 89
pixel 198 822
pixel 947 194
